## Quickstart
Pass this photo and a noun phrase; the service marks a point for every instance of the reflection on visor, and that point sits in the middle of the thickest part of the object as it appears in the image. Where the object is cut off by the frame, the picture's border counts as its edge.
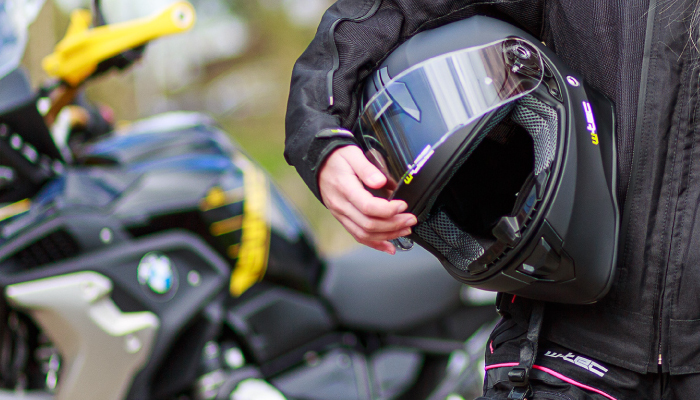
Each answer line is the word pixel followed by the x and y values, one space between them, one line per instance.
pixel 420 108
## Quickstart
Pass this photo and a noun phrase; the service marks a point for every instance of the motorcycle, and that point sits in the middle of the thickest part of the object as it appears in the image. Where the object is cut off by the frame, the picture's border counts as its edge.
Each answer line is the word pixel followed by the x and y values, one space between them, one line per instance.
pixel 159 261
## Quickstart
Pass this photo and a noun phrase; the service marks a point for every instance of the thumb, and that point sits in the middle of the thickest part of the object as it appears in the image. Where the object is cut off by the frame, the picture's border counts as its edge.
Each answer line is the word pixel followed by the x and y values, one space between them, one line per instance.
pixel 365 170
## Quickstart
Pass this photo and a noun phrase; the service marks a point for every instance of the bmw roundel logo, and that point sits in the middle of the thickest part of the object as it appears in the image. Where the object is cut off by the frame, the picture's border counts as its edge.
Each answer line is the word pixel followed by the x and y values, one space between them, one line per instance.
pixel 156 272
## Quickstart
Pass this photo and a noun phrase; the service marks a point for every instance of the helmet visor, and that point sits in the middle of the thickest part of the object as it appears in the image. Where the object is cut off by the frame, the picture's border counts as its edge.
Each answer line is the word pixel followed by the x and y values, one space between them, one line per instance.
pixel 416 111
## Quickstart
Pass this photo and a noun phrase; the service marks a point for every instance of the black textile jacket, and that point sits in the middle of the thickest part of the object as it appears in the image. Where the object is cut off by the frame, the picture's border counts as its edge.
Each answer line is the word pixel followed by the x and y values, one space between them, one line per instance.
pixel 642 54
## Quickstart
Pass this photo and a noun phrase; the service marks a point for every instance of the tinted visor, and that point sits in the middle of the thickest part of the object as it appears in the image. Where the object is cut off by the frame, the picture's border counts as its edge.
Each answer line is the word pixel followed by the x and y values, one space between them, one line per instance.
pixel 416 111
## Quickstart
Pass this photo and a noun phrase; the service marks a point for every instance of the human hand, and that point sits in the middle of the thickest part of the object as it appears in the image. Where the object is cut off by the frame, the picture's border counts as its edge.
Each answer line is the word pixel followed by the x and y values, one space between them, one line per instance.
pixel 371 220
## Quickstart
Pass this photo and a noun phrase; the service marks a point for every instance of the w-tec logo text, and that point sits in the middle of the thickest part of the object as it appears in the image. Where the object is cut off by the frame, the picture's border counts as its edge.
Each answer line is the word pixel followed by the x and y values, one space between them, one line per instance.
pixel 582 362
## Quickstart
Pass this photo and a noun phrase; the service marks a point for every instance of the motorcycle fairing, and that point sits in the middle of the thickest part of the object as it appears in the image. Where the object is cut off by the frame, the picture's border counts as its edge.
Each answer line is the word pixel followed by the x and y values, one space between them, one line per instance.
pixel 117 266
pixel 156 174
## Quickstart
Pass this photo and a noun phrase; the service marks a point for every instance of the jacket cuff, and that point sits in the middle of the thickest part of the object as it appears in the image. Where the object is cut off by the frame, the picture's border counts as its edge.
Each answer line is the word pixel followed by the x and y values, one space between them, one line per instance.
pixel 322 145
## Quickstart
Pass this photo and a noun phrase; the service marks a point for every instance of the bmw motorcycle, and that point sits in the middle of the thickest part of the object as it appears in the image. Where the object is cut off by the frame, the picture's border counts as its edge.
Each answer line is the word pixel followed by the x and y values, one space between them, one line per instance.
pixel 159 261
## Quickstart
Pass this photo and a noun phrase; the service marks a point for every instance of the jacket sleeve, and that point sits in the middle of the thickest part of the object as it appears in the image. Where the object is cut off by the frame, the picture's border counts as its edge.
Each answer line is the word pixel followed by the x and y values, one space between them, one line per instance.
pixel 353 38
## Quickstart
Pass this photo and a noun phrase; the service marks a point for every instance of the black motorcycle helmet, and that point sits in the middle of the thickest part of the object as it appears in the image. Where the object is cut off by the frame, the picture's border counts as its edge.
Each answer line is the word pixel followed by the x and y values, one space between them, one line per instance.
pixel 505 155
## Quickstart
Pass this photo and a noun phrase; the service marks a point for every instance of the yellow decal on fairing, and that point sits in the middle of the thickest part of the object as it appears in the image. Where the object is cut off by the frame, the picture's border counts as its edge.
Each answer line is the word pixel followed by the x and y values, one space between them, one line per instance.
pixel 13 209
pixel 217 197
pixel 227 225
pixel 253 250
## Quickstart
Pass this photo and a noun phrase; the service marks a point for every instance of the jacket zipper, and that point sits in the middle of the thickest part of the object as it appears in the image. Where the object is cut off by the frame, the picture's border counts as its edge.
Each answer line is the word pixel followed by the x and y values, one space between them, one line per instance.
pixel 334 48
pixel 632 182
pixel 661 309
pixel 663 281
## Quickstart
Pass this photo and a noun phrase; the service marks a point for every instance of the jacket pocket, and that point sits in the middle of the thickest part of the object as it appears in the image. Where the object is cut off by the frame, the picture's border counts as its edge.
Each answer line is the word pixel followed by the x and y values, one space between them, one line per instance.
pixel 684 346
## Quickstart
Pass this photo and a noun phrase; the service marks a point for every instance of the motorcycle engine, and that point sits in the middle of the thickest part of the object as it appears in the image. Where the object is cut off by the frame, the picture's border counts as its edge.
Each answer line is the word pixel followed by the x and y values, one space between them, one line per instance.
pixel 28 360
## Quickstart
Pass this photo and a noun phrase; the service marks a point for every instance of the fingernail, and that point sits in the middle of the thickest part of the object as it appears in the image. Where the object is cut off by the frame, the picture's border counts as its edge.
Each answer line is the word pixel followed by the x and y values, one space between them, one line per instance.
pixel 406 232
pixel 389 248
pixel 402 206
pixel 375 179
pixel 410 221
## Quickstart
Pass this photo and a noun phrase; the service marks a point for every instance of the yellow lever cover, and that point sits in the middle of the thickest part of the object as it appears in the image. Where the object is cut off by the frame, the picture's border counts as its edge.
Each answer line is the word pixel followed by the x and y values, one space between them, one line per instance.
pixel 77 55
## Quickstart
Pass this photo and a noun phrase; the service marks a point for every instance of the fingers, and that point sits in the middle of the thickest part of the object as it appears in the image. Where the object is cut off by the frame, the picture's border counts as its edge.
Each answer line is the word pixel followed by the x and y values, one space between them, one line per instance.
pixel 345 171
pixel 365 227
pixel 378 241
pixel 375 228
pixel 370 220
pixel 366 204
pixel 365 170
pixel 385 246
pixel 362 234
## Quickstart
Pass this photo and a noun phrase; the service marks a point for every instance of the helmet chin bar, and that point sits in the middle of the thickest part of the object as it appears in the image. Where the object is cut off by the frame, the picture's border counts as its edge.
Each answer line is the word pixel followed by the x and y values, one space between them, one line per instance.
pixel 475 255
pixel 508 231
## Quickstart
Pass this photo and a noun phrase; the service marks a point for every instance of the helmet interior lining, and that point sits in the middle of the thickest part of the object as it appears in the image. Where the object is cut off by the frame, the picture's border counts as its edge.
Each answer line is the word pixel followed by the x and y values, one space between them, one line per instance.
pixel 487 180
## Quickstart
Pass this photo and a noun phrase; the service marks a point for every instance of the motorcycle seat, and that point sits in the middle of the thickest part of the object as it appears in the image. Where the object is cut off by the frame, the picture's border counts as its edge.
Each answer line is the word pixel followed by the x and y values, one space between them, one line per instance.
pixel 372 290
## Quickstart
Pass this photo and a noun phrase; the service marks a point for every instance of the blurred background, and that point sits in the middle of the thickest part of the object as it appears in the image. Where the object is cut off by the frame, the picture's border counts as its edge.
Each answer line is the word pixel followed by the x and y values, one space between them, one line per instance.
pixel 235 65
